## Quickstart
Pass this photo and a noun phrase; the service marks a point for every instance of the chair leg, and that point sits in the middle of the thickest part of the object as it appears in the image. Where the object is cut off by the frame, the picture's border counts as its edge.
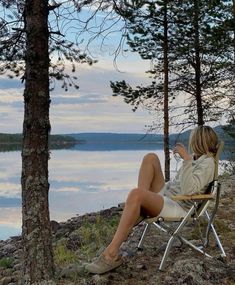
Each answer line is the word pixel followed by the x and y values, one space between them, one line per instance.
pixel 166 253
pixel 173 236
pixel 197 248
pixel 143 235
pixel 223 254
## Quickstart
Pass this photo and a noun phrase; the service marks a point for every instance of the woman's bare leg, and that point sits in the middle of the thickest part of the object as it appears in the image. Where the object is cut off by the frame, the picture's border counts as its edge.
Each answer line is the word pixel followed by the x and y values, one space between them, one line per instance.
pixel 144 198
pixel 150 174
pixel 138 199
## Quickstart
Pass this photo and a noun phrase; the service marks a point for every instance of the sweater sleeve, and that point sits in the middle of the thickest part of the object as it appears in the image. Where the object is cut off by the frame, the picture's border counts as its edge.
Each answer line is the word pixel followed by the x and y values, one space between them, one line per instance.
pixel 193 178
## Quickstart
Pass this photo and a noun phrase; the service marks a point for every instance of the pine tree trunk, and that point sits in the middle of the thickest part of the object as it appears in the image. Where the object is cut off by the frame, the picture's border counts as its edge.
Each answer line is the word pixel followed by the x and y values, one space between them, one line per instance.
pixel 166 101
pixel 198 94
pixel 36 230
pixel 234 31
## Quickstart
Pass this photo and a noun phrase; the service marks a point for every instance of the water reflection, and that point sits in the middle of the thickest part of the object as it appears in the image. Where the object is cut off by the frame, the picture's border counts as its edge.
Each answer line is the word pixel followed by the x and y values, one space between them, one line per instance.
pixel 91 181
pixel 80 182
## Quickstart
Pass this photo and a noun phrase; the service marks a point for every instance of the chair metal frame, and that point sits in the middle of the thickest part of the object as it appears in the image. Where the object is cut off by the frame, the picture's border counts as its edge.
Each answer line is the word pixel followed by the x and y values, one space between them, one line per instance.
pixel 198 209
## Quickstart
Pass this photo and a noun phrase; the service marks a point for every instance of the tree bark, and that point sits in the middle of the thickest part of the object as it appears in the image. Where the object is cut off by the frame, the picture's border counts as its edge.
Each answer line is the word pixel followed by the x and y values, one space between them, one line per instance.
pixel 166 100
pixel 36 231
pixel 198 94
pixel 233 31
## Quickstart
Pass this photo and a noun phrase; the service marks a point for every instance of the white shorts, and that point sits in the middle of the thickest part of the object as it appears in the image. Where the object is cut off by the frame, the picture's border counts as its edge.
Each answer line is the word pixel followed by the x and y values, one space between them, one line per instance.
pixel 171 208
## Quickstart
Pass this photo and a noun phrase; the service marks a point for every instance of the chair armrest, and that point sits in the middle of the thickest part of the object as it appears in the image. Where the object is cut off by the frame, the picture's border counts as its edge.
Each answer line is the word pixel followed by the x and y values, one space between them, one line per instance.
pixel 193 197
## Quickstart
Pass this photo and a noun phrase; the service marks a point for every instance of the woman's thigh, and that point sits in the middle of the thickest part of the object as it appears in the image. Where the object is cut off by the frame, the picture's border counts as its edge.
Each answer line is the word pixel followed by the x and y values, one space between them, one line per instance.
pixel 150 174
pixel 151 203
pixel 158 179
pixel 155 204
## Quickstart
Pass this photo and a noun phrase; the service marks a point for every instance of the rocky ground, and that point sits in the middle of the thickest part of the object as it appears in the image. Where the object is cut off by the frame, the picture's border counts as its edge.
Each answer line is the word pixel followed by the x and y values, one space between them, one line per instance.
pixel 184 266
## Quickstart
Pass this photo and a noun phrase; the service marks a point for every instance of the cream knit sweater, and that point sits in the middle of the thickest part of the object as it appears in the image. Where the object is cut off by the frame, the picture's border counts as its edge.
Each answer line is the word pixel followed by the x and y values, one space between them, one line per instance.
pixel 192 178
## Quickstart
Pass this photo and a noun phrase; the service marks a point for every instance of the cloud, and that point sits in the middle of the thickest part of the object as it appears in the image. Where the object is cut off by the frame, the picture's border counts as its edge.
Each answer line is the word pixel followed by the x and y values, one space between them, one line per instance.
pixel 10 216
pixel 89 109
pixel 79 99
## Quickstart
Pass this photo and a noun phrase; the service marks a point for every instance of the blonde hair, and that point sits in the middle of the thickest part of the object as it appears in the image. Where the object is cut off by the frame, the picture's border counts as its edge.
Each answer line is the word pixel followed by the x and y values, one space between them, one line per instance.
pixel 203 140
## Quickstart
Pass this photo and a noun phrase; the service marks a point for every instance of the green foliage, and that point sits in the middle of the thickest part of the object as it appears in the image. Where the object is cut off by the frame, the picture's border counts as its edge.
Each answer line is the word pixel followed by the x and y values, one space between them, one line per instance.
pixel 10 138
pixel 230 129
pixel 10 142
pixel 229 165
pixel 64 256
pixel 92 235
pixel 62 49
pixel 95 236
pixel 17 138
pixel 6 262
pixel 200 52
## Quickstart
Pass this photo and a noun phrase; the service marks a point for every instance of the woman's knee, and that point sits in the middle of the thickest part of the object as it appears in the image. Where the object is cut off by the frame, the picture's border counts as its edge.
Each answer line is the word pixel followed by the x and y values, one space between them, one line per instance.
pixel 135 195
pixel 151 158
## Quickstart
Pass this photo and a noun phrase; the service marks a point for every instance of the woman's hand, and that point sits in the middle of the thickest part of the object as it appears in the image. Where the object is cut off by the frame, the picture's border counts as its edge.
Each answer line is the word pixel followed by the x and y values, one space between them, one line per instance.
pixel 182 151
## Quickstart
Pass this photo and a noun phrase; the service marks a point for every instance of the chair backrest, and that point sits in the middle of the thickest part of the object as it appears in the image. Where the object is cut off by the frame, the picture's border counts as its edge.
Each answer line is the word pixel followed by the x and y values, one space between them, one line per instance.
pixel 217 157
pixel 213 187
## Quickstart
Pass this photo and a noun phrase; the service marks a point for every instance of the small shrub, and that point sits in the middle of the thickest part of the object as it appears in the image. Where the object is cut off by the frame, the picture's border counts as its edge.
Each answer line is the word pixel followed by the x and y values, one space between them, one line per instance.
pixel 95 236
pixel 6 262
pixel 63 256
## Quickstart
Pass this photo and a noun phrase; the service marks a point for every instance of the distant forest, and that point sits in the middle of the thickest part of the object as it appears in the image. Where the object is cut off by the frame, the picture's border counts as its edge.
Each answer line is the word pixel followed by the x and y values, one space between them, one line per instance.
pixel 14 141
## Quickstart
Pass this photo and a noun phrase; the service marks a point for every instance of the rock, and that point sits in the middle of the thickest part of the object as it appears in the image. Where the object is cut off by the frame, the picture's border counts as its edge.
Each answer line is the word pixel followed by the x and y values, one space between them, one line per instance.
pixel 17 266
pixel 74 241
pixel 99 280
pixel 9 249
pixel 5 280
pixel 72 269
pixel 55 226
pixel 141 267
pixel 190 271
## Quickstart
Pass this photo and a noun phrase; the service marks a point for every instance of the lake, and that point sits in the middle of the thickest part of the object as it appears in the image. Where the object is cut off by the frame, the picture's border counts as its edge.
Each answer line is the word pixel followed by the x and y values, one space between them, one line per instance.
pixel 81 181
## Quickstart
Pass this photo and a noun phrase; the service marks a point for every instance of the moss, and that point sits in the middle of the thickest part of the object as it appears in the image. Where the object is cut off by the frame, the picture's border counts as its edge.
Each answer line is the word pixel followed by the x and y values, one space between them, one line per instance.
pixel 6 262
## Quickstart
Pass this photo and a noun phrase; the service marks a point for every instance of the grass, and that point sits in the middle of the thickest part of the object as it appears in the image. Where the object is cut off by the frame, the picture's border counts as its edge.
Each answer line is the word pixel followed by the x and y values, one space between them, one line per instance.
pixel 93 236
pixel 6 262
pixel 64 256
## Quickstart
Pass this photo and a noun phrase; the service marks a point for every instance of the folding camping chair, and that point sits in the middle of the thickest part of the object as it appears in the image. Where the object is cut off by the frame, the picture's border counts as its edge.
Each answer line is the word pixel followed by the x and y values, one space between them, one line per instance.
pixel 198 209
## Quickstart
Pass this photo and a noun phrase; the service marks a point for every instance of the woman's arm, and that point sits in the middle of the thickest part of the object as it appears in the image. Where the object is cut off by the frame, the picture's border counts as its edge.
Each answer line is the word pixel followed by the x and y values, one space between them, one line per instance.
pixel 193 178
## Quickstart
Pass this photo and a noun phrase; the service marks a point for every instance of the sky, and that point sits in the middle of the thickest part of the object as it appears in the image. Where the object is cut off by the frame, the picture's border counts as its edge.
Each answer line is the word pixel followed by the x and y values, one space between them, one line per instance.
pixel 92 108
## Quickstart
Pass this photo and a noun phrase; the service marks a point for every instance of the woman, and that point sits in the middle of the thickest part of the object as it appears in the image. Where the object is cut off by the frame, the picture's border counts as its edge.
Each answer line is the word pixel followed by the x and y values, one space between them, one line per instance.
pixel 152 196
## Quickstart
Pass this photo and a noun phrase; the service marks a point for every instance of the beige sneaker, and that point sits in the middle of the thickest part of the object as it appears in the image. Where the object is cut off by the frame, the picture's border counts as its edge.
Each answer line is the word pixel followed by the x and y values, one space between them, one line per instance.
pixel 101 265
